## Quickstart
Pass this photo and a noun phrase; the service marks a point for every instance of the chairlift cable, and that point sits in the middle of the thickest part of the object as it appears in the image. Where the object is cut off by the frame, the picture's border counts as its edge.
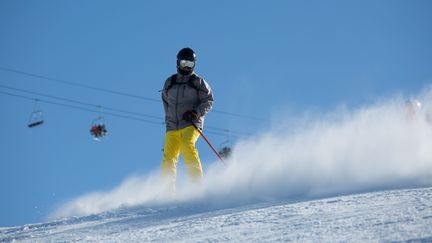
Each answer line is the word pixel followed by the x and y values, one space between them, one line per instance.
pixel 78 84
pixel 83 108
pixel 118 92
pixel 222 132
pixel 99 107
pixel 227 131
pixel 82 103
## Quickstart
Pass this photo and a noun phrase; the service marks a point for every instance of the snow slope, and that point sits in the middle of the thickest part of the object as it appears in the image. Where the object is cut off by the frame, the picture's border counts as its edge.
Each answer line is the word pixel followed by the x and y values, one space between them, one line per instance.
pixel 375 147
pixel 396 215
pixel 382 146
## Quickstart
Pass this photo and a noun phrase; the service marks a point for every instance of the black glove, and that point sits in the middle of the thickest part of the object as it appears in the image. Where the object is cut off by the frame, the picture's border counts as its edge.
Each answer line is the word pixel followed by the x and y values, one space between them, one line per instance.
pixel 190 116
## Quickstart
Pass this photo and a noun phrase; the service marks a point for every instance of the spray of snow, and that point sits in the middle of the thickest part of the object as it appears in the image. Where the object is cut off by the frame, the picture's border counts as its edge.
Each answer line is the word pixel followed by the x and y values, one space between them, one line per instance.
pixel 384 145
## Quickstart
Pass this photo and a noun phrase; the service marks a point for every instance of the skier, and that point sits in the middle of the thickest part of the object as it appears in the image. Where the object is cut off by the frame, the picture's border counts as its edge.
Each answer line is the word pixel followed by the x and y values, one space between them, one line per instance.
pixel 98 130
pixel 413 109
pixel 187 98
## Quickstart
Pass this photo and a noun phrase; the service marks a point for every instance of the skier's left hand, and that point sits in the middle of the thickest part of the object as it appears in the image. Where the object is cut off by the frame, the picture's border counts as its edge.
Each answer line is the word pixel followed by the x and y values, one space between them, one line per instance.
pixel 190 116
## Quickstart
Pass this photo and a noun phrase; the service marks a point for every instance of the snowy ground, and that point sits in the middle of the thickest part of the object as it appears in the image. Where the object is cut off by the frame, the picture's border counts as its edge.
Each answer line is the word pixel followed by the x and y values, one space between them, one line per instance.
pixel 365 150
pixel 397 215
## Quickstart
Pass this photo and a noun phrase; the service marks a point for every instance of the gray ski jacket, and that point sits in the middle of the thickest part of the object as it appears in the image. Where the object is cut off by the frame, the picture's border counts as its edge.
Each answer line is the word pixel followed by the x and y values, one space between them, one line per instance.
pixel 184 96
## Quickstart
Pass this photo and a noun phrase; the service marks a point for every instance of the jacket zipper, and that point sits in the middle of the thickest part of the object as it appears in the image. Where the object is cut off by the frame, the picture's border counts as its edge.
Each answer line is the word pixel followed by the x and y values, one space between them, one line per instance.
pixel 184 88
pixel 176 110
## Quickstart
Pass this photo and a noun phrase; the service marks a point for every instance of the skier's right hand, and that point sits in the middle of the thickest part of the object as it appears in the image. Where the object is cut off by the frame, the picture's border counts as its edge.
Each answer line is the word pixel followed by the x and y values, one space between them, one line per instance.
pixel 190 116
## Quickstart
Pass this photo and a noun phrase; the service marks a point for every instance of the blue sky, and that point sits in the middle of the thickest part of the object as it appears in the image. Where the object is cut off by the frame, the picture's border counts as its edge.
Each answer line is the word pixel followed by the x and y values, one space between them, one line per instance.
pixel 262 59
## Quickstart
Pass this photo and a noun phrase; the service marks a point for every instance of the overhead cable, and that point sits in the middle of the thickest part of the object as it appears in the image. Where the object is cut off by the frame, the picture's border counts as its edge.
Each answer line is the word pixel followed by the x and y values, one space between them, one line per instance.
pixel 116 92
pixel 218 131
pixel 81 108
pixel 80 102
pixel 79 85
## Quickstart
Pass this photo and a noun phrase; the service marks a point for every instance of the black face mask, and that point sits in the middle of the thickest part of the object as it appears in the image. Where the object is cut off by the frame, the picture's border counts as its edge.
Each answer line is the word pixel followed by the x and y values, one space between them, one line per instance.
pixel 184 71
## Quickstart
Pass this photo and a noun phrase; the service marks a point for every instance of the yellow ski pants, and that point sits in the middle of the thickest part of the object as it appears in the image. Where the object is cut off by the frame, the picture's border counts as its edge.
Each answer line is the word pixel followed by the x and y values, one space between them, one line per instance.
pixel 182 140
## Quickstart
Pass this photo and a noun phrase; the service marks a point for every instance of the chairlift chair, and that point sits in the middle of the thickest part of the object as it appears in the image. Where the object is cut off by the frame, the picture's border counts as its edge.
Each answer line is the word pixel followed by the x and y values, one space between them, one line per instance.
pixel 98 128
pixel 36 119
pixel 225 151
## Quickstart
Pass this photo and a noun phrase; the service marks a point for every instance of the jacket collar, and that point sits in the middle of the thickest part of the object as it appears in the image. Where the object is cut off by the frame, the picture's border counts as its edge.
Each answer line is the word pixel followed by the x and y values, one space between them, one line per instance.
pixel 183 78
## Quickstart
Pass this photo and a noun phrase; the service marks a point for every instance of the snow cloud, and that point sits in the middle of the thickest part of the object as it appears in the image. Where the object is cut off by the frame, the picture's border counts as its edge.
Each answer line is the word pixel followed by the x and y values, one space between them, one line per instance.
pixel 384 145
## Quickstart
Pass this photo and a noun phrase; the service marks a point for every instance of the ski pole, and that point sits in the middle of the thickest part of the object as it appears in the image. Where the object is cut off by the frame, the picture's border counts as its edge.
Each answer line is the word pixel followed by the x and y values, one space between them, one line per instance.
pixel 209 144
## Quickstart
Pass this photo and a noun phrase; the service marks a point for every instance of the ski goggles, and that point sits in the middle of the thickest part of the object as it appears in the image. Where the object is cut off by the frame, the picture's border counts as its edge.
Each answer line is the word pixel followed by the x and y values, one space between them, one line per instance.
pixel 186 63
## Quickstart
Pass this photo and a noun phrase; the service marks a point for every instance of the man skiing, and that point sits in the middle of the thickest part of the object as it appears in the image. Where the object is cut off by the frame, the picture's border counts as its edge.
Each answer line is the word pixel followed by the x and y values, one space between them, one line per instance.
pixel 186 99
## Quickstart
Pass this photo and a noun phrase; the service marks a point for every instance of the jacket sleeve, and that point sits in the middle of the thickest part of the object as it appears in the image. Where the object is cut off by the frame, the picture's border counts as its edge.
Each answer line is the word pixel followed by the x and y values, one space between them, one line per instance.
pixel 165 96
pixel 205 97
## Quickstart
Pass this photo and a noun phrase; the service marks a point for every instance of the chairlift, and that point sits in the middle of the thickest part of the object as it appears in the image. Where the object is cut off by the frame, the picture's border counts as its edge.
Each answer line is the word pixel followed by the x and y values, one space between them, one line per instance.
pixel 225 151
pixel 98 128
pixel 36 117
